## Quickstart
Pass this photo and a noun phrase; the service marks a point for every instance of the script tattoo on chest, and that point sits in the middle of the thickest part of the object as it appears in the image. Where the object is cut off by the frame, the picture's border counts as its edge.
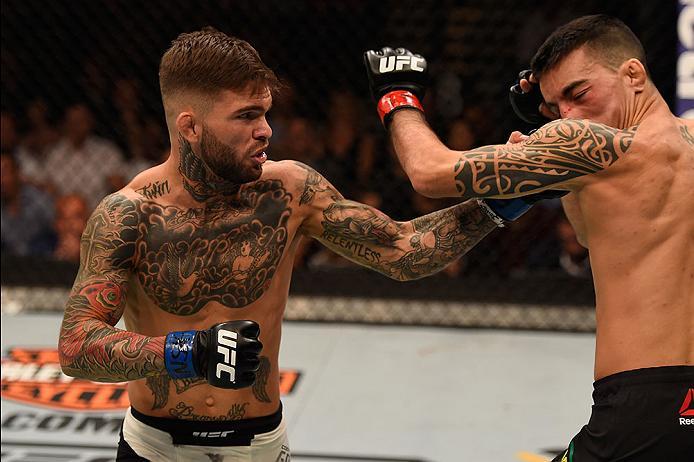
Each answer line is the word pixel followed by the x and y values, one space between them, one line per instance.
pixel 187 258
pixel 154 190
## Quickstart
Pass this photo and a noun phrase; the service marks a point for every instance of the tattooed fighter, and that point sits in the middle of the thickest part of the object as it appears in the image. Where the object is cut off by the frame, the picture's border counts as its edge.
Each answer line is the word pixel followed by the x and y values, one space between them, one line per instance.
pixel 200 269
pixel 629 165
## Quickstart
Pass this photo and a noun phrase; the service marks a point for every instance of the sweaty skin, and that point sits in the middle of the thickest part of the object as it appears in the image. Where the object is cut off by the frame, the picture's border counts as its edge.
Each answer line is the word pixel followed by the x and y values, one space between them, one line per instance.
pixel 631 203
pixel 201 251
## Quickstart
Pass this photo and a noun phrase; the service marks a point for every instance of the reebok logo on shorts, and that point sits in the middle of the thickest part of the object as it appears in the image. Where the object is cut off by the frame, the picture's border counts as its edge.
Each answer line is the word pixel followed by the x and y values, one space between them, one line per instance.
pixel 687 408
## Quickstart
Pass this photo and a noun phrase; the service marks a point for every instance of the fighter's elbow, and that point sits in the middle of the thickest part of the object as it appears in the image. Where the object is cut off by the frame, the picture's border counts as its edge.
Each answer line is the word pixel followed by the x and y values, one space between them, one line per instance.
pixel 425 183
pixel 67 362
pixel 428 179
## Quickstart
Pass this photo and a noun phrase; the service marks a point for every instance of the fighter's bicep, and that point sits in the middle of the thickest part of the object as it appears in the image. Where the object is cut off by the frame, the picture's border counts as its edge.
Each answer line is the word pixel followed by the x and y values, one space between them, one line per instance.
pixel 106 261
pixel 556 155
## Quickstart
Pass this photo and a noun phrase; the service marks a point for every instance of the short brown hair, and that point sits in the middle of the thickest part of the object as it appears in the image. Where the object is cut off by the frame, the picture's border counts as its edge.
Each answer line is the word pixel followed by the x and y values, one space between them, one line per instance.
pixel 209 61
pixel 607 37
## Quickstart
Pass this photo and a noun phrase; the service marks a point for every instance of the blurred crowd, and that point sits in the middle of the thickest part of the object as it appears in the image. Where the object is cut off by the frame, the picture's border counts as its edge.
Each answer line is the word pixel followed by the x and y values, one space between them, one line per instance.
pixel 58 163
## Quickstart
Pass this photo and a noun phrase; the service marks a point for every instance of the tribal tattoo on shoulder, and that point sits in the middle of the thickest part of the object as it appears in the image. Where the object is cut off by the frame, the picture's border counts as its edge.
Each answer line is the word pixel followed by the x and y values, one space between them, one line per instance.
pixel 559 151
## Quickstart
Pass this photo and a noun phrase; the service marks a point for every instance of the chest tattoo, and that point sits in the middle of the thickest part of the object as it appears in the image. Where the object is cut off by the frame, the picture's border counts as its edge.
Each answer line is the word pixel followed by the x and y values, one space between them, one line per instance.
pixel 187 258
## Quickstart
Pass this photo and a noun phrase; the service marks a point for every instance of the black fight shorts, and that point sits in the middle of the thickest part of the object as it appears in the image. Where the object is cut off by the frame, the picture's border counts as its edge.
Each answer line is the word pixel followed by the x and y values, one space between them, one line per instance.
pixel 641 415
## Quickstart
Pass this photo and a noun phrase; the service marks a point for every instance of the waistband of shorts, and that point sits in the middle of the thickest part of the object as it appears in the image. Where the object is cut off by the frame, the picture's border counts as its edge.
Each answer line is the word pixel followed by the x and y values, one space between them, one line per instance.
pixel 212 432
pixel 661 374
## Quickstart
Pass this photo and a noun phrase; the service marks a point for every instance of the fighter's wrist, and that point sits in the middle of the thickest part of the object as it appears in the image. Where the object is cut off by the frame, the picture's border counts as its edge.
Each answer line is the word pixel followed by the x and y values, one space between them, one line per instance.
pixel 179 357
pixel 498 221
pixel 394 101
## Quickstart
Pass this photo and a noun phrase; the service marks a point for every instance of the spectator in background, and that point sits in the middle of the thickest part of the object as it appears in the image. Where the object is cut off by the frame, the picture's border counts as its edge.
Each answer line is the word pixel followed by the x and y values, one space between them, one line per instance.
pixel 141 135
pixel 9 138
pixel 41 136
pixel 83 162
pixel 460 136
pixel 346 145
pixel 71 215
pixel 27 213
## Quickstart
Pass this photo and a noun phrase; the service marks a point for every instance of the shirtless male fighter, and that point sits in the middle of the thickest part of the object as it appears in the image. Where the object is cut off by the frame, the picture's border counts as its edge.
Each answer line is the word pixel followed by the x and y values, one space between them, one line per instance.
pixel 629 165
pixel 196 255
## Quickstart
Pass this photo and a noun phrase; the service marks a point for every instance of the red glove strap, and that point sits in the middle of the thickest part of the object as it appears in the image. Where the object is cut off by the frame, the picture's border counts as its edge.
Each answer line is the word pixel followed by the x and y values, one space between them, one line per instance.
pixel 395 99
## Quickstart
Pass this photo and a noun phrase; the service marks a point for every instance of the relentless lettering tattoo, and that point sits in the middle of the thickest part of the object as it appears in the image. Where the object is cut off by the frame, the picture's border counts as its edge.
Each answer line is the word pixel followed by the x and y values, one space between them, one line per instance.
pixel 154 190
pixel 261 378
pixel 197 179
pixel 402 251
pixel 356 249
pixel 686 134
pixel 559 151
pixel 314 184
pixel 184 411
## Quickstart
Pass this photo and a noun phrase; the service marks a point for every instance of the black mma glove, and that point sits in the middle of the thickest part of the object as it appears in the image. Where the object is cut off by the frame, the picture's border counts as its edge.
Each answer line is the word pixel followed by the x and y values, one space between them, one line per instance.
pixel 226 354
pixel 502 211
pixel 397 79
pixel 527 105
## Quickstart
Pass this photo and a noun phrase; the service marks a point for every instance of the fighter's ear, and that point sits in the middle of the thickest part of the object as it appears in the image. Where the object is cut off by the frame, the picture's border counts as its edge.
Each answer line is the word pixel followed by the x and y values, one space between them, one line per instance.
pixel 187 126
pixel 635 74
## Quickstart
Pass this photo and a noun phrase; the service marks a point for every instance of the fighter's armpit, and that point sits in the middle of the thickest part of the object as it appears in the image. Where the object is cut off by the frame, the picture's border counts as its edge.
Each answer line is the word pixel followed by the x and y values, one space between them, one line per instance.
pixel 556 153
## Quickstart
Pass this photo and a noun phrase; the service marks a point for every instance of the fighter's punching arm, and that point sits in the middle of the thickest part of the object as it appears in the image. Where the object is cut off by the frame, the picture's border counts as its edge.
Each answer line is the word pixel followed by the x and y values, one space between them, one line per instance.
pixel 400 250
pixel 555 156
pixel 91 347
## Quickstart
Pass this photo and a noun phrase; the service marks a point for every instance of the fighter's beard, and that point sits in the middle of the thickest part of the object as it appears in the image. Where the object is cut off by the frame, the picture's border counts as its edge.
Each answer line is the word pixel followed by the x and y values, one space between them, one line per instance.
pixel 198 179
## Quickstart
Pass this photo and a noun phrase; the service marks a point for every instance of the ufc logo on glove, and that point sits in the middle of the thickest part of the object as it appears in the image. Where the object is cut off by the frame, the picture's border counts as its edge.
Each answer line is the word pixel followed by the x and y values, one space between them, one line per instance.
pixel 398 63
pixel 227 347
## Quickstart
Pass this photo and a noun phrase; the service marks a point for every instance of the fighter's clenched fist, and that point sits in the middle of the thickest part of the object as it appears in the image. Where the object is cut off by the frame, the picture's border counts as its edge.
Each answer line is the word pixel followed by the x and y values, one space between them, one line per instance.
pixel 225 354
pixel 397 78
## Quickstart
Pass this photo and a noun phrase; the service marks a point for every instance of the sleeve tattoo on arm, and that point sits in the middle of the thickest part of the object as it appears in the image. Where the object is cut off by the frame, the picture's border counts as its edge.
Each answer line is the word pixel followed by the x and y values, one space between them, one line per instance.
pixel 557 152
pixel 90 346
pixel 401 251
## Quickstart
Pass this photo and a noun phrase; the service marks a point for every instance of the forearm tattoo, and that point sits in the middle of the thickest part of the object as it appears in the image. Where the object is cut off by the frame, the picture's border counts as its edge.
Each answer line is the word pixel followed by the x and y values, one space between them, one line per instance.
pixel 402 251
pixel 557 152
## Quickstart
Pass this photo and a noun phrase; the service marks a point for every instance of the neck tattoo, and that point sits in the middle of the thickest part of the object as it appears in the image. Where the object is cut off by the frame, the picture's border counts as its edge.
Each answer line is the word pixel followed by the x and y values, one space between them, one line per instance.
pixel 198 180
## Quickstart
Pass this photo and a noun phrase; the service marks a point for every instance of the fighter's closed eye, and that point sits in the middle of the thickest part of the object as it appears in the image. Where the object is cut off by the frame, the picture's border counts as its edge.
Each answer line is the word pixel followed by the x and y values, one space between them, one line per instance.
pixel 580 95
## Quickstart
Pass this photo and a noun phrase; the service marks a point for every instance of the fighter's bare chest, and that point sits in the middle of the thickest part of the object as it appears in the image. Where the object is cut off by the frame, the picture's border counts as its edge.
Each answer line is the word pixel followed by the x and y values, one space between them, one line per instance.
pixel 186 258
